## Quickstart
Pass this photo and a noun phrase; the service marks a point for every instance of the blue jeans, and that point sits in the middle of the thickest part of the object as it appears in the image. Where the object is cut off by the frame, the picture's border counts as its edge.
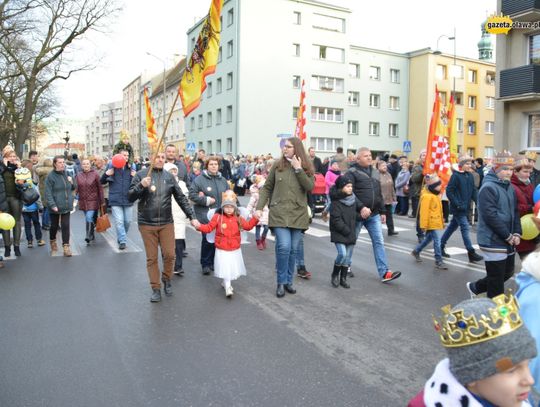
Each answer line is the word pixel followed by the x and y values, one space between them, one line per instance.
pixel 89 216
pixel 45 217
pixel 374 228
pixel 29 218
pixel 122 219
pixel 286 246
pixel 462 222
pixel 258 231
pixel 431 235
pixel 300 252
pixel 344 254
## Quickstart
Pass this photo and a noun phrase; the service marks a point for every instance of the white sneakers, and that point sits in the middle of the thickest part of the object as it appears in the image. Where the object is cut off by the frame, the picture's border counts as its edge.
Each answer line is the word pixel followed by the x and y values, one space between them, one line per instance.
pixel 229 291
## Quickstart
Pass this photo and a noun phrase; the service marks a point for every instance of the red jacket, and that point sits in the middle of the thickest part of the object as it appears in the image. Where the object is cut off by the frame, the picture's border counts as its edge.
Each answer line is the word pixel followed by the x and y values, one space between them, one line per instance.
pixel 227 230
pixel 525 204
pixel 90 191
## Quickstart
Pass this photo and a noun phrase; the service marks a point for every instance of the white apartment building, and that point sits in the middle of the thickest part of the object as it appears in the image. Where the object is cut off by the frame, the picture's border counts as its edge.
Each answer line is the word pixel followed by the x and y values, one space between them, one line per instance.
pixel 103 129
pixel 355 96
pixel 131 116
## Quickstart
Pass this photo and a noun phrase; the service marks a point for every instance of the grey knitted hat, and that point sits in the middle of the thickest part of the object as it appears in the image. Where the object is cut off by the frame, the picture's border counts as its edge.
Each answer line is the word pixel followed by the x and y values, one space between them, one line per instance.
pixel 478 361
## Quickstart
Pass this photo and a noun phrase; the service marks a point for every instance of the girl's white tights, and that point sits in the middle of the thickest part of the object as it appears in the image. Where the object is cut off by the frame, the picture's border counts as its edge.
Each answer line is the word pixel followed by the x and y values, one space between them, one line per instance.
pixel 226 283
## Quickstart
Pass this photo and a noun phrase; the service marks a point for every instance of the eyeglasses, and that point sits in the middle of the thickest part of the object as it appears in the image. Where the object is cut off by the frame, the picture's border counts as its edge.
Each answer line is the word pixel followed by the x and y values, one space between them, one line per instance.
pixel 288 146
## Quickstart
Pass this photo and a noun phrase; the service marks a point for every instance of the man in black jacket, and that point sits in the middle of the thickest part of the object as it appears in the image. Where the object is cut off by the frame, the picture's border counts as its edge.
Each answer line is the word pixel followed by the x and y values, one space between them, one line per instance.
pixel 368 191
pixel 156 223
pixel 316 161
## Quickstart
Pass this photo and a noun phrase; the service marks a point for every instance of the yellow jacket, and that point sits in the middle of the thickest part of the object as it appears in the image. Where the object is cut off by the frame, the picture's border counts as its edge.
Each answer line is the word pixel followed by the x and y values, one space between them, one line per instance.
pixel 431 213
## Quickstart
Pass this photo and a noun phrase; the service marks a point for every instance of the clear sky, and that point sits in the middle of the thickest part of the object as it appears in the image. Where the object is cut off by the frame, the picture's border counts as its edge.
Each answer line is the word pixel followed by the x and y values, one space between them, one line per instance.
pixel 160 26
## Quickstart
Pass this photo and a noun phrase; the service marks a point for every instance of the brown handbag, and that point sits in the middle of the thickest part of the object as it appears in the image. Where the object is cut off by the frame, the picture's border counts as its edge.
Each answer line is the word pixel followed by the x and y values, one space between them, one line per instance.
pixel 102 223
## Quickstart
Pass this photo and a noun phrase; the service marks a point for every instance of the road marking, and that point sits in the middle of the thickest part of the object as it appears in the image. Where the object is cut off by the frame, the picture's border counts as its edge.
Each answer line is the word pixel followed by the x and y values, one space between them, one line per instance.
pixel 110 238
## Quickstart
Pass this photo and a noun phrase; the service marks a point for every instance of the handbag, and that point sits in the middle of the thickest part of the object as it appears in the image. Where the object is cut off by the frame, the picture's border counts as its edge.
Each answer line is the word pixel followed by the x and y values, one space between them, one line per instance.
pixel 102 223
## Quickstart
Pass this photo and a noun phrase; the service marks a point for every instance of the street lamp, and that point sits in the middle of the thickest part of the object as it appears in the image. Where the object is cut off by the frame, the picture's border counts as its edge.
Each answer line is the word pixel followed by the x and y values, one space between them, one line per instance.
pixel 66 146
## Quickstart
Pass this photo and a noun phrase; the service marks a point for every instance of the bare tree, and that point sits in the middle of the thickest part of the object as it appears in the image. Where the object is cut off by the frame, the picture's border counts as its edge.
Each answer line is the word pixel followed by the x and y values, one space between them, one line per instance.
pixel 37 48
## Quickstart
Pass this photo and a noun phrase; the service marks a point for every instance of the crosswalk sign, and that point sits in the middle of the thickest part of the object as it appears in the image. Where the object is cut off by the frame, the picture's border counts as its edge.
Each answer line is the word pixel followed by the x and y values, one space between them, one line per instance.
pixel 191 147
pixel 407 148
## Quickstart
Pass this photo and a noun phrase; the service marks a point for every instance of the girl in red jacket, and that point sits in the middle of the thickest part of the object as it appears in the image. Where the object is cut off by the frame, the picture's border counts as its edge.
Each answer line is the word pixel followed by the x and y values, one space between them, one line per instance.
pixel 227 222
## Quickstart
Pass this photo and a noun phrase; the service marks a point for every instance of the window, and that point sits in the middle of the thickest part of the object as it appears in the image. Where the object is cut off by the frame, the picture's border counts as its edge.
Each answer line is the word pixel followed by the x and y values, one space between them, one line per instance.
pixel 218 146
pixel 326 83
pixel 490 78
pixel 354 70
pixel 489 152
pixel 458 98
pixel 192 124
pixel 325 144
pixel 490 127
pixel 472 102
pixel 471 152
pixel 295 112
pixel 394 103
pixel 192 43
pixel 218 117
pixel 393 130
pixel 373 128
pixel 440 72
pixel 328 23
pixel 457 71
pixel 229 144
pixel 471 77
pixel 209 147
pixel 374 100
pixel 326 114
pixel 209 119
pixel 209 90
pixel 297 17
pixel 229 80
pixel 229 114
pixel 230 49
pixel 375 73
pixel 394 75
pixel 325 53
pixel 490 102
pixel 230 17
pixel 442 95
pixel 352 127
pixel 218 85
pixel 200 121
pixel 296 81
pixel 296 50
pixel 534 130
pixel 534 51
pixel 354 98
pixel 459 125
pixel 219 55
pixel 471 127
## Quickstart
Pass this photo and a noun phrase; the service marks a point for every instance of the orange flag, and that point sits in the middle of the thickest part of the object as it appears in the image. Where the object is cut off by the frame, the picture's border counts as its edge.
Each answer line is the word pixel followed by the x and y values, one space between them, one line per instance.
pixel 438 149
pixel 203 60
pixel 150 122
pixel 452 130
pixel 300 131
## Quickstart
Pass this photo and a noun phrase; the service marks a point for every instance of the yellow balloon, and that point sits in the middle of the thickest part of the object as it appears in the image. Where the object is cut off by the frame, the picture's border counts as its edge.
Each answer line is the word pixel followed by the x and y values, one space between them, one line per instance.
pixel 6 221
pixel 528 229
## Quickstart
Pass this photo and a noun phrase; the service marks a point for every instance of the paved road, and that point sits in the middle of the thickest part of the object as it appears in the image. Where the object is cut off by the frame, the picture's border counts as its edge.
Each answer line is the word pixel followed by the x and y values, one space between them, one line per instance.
pixel 82 332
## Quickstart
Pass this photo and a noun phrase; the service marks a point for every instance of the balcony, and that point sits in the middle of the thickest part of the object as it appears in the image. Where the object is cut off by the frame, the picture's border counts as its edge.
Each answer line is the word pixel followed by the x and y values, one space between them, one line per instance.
pixel 523 10
pixel 521 83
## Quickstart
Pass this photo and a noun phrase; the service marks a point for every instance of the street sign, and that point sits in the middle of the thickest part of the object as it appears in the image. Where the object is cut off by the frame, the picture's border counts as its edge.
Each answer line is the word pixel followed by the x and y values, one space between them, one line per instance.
pixel 190 147
pixel 407 148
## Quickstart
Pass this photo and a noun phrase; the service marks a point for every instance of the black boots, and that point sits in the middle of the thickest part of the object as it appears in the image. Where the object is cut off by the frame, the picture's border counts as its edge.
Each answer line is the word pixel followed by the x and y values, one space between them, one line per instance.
pixel 17 251
pixel 92 230
pixel 289 288
pixel 473 256
pixel 167 287
pixel 87 238
pixel 7 251
pixel 156 295
pixel 343 277
pixel 335 276
pixel 280 291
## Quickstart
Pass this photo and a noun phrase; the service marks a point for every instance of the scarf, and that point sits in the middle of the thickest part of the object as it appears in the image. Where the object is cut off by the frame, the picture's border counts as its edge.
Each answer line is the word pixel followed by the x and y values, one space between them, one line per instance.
pixel 349 200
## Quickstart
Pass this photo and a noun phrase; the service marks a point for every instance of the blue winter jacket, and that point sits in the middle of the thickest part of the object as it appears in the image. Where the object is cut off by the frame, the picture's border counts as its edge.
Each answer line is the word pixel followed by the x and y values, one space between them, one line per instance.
pixel 119 184
pixel 460 192
pixel 498 216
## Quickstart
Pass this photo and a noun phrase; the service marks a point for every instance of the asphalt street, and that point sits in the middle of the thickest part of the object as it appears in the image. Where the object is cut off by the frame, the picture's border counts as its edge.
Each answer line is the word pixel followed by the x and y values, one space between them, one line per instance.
pixel 81 331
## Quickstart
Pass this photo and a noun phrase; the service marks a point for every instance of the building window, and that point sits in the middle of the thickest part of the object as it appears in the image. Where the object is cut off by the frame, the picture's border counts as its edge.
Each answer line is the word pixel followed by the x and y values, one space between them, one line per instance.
pixel 328 23
pixel 296 81
pixel 230 17
pixel 490 127
pixel 459 125
pixel 374 100
pixel 472 102
pixel 230 49
pixel 442 96
pixel 490 102
pixel 352 127
pixel 192 124
pixel 373 128
pixel 296 50
pixel 218 117
pixel 209 147
pixel 354 70
pixel 218 146
pixel 325 53
pixel 219 55
pixel 229 144
pixel 471 127
pixel 394 75
pixel 375 73
pixel 200 121
pixel 490 78
pixel 489 152
pixel 393 130
pixel 295 112
pixel 472 76
pixel 440 72
pixel 218 85
pixel 209 90
pixel 534 50
pixel 394 103
pixel 457 71
pixel 297 18
pixel 326 114
pixel 325 144
pixel 229 114
pixel 327 84
pixel 200 145
pixel 354 98
pixel 534 130
pixel 229 80
pixel 209 119
pixel 458 98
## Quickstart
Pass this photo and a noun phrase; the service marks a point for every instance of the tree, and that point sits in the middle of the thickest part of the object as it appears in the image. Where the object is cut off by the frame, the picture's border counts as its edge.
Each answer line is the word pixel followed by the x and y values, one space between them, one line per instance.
pixel 37 48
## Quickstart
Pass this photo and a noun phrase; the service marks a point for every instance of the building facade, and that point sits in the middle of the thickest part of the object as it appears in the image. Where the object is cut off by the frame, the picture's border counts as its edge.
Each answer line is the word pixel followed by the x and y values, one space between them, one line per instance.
pixel 103 129
pixel 131 113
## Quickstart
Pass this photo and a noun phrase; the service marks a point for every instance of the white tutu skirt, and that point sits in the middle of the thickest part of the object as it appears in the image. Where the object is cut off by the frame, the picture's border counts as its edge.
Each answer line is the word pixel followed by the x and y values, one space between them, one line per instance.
pixel 229 264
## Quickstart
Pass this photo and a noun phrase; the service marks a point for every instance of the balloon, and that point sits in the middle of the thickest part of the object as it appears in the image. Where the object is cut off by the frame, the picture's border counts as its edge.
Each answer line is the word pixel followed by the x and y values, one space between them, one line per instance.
pixel 6 221
pixel 536 209
pixel 528 229
pixel 536 194
pixel 118 161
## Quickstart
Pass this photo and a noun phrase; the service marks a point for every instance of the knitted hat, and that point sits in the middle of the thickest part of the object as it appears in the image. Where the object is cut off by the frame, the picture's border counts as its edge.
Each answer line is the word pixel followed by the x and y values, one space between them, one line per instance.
pixel 169 166
pixel 502 159
pixel 464 159
pixel 228 198
pixel 343 180
pixel 484 337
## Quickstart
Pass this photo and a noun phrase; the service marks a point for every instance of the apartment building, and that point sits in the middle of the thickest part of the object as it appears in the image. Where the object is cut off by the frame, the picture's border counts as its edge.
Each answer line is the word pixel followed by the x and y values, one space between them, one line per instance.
pixel 131 117
pixel 103 129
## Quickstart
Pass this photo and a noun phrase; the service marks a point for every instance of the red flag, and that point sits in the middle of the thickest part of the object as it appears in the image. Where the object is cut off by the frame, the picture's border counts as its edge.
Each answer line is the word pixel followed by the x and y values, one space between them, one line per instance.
pixel 300 131
pixel 150 129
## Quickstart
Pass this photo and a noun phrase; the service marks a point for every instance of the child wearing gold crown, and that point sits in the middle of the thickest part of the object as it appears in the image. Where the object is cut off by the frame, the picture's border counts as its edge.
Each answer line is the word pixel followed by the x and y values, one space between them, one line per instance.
pixel 227 222
pixel 488 349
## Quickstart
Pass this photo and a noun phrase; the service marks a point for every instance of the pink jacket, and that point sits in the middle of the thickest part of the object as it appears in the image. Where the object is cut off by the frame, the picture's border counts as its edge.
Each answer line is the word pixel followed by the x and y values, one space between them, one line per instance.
pixel 330 179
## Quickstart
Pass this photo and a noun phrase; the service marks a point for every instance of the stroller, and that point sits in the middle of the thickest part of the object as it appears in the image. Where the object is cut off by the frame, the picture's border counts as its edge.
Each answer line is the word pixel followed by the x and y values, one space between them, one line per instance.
pixel 318 194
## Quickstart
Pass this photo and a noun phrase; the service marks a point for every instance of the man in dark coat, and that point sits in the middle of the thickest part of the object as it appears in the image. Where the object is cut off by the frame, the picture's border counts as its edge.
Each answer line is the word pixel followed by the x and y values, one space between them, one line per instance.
pixel 316 161
pixel 170 157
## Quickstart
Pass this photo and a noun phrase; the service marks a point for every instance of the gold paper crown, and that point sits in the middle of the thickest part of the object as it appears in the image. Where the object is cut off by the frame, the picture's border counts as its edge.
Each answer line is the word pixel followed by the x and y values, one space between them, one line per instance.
pixel 228 196
pixel 503 158
pixel 457 330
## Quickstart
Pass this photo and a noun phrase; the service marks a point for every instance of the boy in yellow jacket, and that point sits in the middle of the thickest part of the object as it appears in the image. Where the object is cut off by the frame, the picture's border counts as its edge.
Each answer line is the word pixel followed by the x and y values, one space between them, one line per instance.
pixel 431 219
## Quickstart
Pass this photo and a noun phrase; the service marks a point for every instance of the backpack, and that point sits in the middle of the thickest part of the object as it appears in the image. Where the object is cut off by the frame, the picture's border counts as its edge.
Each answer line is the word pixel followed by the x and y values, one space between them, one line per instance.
pixel 70 170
